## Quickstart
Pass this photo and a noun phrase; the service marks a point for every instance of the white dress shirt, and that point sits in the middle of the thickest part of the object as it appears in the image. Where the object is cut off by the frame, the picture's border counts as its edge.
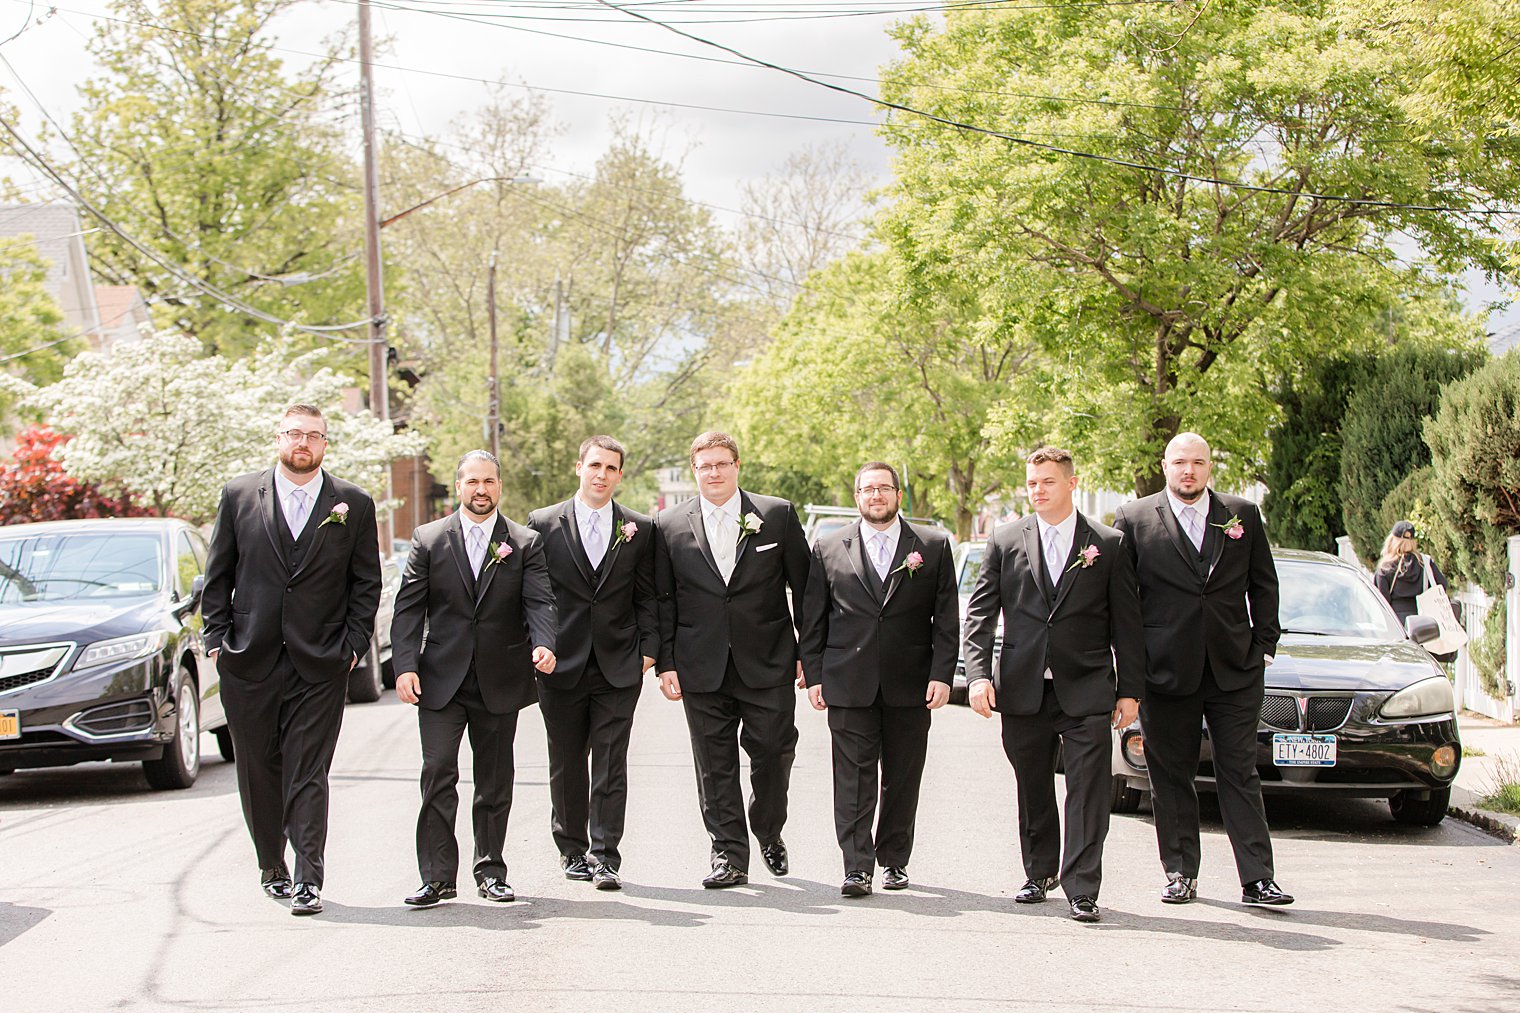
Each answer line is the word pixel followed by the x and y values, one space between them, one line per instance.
pixel 871 537
pixel 725 550
pixel 1202 506
pixel 583 514
pixel 283 487
pixel 487 528
pixel 1066 533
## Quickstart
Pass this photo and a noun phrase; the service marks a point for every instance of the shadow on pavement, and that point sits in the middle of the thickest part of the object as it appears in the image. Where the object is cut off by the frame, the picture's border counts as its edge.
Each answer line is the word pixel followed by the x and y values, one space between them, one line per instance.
pixel 528 913
pixel 87 784
pixel 1358 921
pixel 15 919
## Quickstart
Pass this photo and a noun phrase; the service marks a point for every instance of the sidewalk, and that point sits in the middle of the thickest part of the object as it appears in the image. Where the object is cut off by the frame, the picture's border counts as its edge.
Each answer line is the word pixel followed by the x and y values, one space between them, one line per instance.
pixel 1476 777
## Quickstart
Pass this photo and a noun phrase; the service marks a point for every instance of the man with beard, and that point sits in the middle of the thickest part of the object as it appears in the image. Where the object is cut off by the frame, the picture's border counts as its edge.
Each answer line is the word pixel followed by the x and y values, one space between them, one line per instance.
pixel 292 586
pixel 474 619
pixel 601 560
pixel 1208 594
pixel 880 624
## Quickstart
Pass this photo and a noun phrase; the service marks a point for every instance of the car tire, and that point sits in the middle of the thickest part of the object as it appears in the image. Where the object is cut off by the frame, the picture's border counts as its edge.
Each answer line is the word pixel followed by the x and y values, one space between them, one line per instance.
pixel 1123 798
pixel 181 762
pixel 388 675
pixel 365 682
pixel 224 743
pixel 1420 812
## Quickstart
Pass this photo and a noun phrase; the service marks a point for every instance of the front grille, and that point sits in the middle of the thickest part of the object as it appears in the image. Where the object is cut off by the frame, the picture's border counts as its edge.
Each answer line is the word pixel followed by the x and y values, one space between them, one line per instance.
pixel 11 682
pixel 1282 712
pixel 1327 713
pixel 116 718
pixel 31 664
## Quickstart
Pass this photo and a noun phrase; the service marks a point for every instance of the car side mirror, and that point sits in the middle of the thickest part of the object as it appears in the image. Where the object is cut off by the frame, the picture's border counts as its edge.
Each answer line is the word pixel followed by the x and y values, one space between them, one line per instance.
pixel 192 601
pixel 1422 629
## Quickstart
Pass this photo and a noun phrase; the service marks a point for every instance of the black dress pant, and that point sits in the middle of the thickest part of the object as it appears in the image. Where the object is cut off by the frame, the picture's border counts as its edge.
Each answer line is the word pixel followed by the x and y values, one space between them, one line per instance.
pixel 591 720
pixel 896 739
pixel 1173 735
pixel 284 732
pixel 763 722
pixel 491 738
pixel 1031 742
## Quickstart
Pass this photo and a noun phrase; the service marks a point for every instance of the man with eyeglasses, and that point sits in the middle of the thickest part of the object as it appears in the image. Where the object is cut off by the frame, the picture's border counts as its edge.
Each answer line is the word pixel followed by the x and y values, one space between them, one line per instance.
pixel 292 586
pixel 880 627
pixel 728 650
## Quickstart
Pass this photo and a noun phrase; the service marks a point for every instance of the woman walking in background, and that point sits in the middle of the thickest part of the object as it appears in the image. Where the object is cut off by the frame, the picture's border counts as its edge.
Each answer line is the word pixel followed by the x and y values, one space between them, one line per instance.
pixel 1403 573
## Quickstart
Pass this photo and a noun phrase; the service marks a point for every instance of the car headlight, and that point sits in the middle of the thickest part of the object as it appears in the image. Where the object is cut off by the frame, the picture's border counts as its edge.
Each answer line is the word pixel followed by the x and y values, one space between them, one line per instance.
pixel 1426 697
pixel 139 645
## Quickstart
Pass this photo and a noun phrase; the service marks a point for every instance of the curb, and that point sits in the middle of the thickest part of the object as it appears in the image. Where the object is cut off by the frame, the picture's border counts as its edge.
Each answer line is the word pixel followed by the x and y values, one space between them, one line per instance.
pixel 1464 807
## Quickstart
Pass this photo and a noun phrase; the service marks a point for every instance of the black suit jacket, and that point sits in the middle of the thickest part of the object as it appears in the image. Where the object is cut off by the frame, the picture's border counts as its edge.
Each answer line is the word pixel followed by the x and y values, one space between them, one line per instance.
pixel 702 620
pixel 446 620
pixel 1221 605
pixel 861 635
pixel 321 611
pixel 611 610
pixel 1088 633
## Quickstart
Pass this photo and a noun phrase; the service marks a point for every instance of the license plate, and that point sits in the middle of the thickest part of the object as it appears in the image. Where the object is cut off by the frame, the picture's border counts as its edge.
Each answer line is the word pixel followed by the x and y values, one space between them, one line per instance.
pixel 1303 750
pixel 10 724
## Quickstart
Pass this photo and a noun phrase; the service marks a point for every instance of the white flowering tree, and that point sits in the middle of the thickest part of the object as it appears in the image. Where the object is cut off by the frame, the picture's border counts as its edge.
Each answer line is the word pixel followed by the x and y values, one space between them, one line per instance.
pixel 162 419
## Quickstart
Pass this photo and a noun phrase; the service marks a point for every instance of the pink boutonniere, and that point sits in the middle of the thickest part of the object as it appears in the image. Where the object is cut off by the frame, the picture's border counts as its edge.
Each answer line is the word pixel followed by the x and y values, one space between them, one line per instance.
pixel 1232 529
pixel 499 551
pixel 1087 557
pixel 625 533
pixel 911 562
pixel 339 515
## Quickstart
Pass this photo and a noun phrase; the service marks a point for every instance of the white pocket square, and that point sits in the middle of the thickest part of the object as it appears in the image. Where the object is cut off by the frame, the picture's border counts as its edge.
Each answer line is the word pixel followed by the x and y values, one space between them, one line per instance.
pixel 766 548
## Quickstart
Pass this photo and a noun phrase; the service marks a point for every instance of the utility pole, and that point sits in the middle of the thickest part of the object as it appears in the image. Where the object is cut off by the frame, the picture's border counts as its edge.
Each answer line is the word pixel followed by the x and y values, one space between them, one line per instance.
pixel 379 365
pixel 493 391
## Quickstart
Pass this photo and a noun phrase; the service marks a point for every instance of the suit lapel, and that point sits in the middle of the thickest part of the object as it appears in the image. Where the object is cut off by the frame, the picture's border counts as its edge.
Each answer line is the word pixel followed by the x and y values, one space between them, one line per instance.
pixel 694 518
pixel 896 572
pixel 1080 538
pixel 614 546
pixel 453 533
pixel 571 526
pixel 1035 557
pixel 326 499
pixel 269 513
pixel 1180 540
pixel 488 568
pixel 1213 532
pixel 742 549
pixel 860 562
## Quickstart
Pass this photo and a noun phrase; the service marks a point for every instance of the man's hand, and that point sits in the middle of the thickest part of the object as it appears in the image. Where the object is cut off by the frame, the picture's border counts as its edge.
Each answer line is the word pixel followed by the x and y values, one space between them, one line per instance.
pixel 354 661
pixel 648 664
pixel 1266 660
pixel 670 685
pixel 937 695
pixel 543 659
pixel 408 687
pixel 1126 709
pixel 982 697
pixel 801 679
pixel 815 697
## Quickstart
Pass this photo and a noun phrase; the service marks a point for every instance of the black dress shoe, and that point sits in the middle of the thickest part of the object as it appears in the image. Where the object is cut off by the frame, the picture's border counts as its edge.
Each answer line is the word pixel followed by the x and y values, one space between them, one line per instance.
pixel 1084 909
pixel 1264 891
pixel 306 900
pixel 605 877
pixel 724 875
pixel 1034 891
pixel 495 888
pixel 856 884
pixel 577 868
pixel 276 882
pixel 1179 889
pixel 774 854
pixel 894 877
pixel 431 893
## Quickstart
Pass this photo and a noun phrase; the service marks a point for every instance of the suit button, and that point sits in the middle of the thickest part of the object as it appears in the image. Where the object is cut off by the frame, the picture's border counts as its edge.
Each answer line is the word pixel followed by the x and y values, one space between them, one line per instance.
pixel 289 589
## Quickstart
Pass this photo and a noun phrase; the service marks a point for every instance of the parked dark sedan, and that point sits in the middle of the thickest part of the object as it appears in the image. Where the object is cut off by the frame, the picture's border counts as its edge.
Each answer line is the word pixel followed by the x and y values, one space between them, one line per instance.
pixel 1354 706
pixel 101 654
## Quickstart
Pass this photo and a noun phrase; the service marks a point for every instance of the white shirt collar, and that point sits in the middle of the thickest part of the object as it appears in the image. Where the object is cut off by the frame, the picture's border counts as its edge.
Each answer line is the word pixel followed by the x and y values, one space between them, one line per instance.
pixel 583 512
pixel 283 486
pixel 1201 505
pixel 466 523
pixel 730 507
pixel 868 534
pixel 1066 532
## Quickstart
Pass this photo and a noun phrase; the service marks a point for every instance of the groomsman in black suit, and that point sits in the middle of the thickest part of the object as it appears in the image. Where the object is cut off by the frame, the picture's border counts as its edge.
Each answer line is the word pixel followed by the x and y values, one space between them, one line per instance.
pixel 1071 667
pixel 292 585
pixel 474 620
pixel 1208 593
pixel 728 650
pixel 601 560
pixel 879 636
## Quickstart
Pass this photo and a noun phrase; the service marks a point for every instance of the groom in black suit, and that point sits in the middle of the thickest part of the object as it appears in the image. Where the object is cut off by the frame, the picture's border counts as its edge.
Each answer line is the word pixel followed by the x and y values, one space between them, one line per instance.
pixel 728 650
pixel 474 620
pixel 292 586
pixel 1071 666
pixel 601 560
pixel 1208 593
pixel 879 636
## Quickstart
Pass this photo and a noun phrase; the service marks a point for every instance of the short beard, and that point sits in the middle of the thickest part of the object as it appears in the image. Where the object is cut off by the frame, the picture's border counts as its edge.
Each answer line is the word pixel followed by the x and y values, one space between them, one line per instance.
pixel 891 514
pixel 291 467
pixel 1194 498
pixel 471 510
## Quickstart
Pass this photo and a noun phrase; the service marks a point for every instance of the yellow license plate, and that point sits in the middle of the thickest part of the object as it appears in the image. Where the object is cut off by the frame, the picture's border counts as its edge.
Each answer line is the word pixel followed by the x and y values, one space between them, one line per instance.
pixel 10 724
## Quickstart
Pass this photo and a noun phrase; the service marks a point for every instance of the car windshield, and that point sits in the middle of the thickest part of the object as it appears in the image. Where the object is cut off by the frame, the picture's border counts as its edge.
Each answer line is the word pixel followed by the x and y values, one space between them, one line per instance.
pixel 1331 601
pixel 84 564
pixel 971 567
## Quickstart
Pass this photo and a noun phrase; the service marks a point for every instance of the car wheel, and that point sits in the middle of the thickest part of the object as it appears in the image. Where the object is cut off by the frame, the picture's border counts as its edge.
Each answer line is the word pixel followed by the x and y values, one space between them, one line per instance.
pixel 224 743
pixel 365 682
pixel 1420 812
pixel 181 762
pixel 1123 798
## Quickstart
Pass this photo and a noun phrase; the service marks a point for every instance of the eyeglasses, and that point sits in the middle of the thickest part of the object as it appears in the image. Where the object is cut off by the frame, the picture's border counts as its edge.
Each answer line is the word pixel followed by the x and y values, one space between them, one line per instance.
pixel 874 490
pixel 302 436
pixel 714 469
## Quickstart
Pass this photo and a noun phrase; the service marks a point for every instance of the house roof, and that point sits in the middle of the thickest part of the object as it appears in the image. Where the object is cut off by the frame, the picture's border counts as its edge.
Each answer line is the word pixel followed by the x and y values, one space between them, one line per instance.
pixel 115 302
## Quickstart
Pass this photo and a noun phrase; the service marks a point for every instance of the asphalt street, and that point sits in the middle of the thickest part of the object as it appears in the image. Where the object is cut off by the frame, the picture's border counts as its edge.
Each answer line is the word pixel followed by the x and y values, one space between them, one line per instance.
pixel 113 896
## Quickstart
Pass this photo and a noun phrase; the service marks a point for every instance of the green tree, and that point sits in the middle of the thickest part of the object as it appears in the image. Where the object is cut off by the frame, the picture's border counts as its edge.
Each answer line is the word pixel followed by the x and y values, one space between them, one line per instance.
pixel 204 149
pixel 1171 300
pixel 33 345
